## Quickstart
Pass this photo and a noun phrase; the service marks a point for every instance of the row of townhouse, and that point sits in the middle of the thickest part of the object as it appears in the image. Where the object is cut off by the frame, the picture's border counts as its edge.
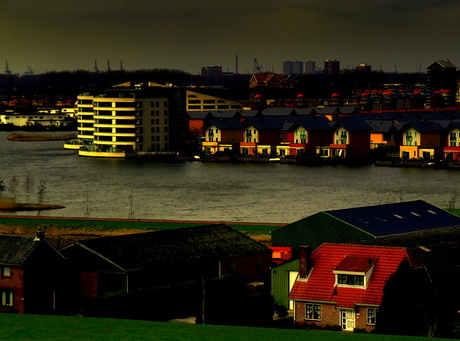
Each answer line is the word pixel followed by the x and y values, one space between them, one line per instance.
pixel 328 133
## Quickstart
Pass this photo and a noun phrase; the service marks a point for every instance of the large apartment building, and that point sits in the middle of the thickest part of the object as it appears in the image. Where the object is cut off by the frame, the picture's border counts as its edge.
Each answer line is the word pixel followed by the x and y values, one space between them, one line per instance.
pixel 126 120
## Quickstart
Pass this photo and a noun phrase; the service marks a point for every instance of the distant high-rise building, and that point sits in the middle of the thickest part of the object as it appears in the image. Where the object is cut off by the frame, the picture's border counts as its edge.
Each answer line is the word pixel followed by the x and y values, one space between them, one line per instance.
pixel 441 81
pixel 212 75
pixel 332 67
pixel 292 68
pixel 363 68
pixel 310 67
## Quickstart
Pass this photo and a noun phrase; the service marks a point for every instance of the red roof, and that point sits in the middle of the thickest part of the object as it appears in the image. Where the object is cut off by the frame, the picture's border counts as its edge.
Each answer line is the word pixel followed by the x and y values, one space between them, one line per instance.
pixel 356 263
pixel 266 77
pixel 320 285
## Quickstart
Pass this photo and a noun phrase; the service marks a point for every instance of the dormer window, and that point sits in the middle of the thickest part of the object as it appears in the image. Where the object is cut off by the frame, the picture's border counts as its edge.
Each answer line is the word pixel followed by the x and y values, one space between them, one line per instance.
pixel 350 279
pixel 354 272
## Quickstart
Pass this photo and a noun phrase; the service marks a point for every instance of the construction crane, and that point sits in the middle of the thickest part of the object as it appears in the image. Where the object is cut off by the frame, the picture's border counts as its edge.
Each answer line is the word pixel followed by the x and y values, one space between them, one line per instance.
pixel 257 66
pixel 7 68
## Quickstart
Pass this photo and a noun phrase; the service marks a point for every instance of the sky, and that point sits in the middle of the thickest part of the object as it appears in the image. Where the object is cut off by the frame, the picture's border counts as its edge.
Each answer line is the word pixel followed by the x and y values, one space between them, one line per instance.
pixel 69 35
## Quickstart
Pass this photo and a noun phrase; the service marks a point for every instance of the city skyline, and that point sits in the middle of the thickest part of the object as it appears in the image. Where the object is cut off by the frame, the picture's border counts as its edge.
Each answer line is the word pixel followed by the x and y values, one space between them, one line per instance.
pixel 52 35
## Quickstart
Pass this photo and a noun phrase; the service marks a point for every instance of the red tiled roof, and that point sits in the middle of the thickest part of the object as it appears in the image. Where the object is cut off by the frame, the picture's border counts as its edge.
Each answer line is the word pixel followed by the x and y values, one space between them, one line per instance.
pixel 330 257
pixel 265 77
pixel 355 263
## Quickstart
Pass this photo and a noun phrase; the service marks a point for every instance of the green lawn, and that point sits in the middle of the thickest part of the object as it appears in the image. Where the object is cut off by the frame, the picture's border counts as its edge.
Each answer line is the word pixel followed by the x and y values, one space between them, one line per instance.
pixel 61 328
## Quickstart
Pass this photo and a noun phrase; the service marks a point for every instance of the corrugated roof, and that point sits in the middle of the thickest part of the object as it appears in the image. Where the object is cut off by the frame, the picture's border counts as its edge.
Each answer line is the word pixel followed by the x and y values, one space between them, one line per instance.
pixel 320 285
pixel 396 218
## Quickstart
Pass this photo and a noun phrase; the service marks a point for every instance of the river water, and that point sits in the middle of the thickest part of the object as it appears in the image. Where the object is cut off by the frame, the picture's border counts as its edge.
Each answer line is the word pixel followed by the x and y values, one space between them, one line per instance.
pixel 268 193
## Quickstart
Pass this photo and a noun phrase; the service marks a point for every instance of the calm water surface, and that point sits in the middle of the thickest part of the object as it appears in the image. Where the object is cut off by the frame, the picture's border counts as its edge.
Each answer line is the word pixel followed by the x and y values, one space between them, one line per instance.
pixel 275 193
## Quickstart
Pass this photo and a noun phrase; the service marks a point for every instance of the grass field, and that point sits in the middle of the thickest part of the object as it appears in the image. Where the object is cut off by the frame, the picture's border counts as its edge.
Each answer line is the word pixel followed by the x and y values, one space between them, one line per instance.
pixel 62 328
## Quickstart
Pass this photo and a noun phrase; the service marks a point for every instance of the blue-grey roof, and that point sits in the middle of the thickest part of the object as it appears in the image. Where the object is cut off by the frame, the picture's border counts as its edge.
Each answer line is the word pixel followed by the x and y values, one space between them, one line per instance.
pixel 388 219
pixel 351 124
pixel 226 114
pixel 379 126
pixel 313 123
pixel 249 113
pixel 232 123
pixel 199 115
pixel 266 123
pixel 426 126
pixel 305 111
pixel 268 112
pixel 348 110
pixel 327 110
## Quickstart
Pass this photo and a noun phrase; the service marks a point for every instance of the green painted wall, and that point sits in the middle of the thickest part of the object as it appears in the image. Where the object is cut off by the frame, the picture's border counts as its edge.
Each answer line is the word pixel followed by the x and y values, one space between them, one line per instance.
pixel 315 230
pixel 280 281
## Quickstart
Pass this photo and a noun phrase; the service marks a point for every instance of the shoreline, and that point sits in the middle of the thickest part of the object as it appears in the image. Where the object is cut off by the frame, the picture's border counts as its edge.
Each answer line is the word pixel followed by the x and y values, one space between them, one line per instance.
pixel 15 207
pixel 36 137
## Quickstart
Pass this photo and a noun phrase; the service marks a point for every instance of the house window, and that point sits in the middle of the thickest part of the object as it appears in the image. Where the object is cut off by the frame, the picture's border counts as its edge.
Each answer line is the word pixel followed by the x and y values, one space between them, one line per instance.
pixel 312 311
pixel 350 279
pixel 7 298
pixel 6 271
pixel 371 316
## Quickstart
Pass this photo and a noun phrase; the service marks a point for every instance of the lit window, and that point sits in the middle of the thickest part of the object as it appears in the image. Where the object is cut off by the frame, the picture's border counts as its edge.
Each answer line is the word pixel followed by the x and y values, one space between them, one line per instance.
pixel 6 271
pixel 371 316
pixel 312 311
pixel 7 298
pixel 350 279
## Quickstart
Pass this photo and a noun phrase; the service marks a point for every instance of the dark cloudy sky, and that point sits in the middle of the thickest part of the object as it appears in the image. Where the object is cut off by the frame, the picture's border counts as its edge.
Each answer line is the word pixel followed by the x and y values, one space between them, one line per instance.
pixel 56 35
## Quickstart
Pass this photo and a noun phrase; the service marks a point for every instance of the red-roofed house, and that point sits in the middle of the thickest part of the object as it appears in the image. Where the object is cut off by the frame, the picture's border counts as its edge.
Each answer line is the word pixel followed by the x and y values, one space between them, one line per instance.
pixel 343 284
pixel 269 80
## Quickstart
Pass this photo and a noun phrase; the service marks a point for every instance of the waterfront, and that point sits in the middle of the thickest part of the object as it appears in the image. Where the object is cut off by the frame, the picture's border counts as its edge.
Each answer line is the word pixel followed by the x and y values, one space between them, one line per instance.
pixel 272 193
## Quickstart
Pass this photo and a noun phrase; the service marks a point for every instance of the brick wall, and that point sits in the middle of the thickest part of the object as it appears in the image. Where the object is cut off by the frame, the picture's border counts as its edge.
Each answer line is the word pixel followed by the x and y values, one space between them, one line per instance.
pixel 88 285
pixel 330 315
pixel 14 282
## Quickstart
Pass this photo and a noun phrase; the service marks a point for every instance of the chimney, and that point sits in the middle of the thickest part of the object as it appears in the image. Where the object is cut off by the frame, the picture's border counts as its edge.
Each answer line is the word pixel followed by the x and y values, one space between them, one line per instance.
pixel 304 261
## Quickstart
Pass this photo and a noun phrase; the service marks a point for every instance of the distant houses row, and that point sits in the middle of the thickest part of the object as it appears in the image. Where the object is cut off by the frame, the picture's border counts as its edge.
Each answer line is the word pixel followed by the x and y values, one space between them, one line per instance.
pixel 327 133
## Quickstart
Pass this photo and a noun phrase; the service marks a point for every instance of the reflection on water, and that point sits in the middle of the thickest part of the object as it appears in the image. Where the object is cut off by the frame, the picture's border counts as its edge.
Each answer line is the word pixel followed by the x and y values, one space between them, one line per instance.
pixel 275 193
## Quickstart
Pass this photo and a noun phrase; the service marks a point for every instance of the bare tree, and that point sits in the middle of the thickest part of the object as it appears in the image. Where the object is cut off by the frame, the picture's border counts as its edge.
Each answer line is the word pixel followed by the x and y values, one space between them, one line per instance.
pixel 13 186
pixel 28 185
pixel 41 191
pixel 452 200
pixel 2 187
